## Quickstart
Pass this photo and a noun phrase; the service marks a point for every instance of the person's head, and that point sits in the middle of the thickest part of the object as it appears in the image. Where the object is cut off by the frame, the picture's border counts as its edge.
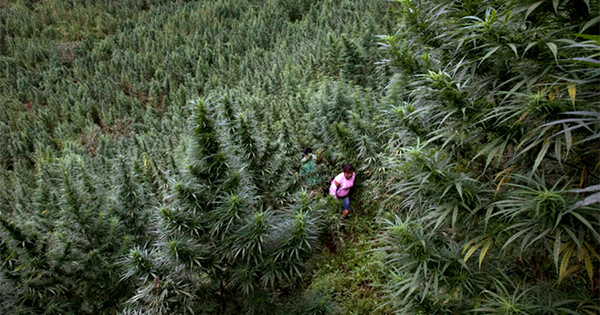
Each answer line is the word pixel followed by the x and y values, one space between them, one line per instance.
pixel 348 170
pixel 307 151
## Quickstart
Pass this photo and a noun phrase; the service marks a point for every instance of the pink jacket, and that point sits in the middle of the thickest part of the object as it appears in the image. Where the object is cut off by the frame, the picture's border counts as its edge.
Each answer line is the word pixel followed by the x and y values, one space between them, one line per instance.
pixel 344 188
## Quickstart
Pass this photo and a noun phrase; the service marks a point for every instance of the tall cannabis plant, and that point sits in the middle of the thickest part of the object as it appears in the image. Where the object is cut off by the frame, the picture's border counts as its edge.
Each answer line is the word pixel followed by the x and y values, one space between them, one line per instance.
pixel 61 249
pixel 223 248
pixel 501 99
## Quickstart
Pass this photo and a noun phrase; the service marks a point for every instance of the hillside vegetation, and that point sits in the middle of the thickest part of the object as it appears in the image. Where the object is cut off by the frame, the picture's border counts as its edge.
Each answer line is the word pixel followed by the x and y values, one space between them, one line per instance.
pixel 149 157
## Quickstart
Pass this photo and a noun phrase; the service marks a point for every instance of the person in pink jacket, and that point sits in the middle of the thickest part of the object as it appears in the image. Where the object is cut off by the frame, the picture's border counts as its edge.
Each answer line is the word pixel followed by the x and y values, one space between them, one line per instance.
pixel 340 187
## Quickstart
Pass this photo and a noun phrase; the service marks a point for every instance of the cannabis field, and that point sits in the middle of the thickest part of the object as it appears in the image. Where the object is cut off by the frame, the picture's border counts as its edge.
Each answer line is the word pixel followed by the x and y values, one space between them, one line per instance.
pixel 150 154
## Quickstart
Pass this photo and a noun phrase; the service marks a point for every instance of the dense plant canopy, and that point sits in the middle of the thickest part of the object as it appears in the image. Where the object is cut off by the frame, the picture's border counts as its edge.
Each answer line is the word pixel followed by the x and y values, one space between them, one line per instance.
pixel 495 183
pixel 149 157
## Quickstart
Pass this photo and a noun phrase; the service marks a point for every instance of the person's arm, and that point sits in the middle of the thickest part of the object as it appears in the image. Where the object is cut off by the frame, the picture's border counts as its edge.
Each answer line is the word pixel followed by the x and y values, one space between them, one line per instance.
pixel 333 188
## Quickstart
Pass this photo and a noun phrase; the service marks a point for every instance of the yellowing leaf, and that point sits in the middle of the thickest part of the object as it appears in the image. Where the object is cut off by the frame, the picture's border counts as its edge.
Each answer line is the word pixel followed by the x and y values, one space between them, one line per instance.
pixel 471 250
pixel 485 250
pixel 590 249
pixel 583 176
pixel 572 92
pixel 506 176
pixel 589 267
pixel 567 251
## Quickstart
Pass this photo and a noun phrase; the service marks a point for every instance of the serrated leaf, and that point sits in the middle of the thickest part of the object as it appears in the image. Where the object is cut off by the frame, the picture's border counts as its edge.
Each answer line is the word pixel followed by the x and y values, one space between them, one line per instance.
pixel 514 48
pixel 554 50
pixel 532 7
pixel 589 24
pixel 459 189
pixel 595 198
pixel 558 151
pixel 493 50
pixel 564 263
pixel 591 250
pixel 541 155
pixel 556 250
pixel 528 47
pixel 515 236
pixel 583 220
pixel 471 251
pixel 485 250
pixel 568 139
pixel 467 246
pixel 441 219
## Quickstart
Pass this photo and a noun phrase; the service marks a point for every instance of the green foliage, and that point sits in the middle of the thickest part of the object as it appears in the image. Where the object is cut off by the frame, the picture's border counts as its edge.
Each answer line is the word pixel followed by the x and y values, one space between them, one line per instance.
pixel 64 253
pixel 354 273
pixel 224 241
pixel 109 203
pixel 473 129
pixel 499 113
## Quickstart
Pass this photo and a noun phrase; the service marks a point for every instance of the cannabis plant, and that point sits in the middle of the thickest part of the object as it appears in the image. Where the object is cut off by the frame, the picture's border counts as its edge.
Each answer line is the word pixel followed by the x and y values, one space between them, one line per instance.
pixel 502 108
